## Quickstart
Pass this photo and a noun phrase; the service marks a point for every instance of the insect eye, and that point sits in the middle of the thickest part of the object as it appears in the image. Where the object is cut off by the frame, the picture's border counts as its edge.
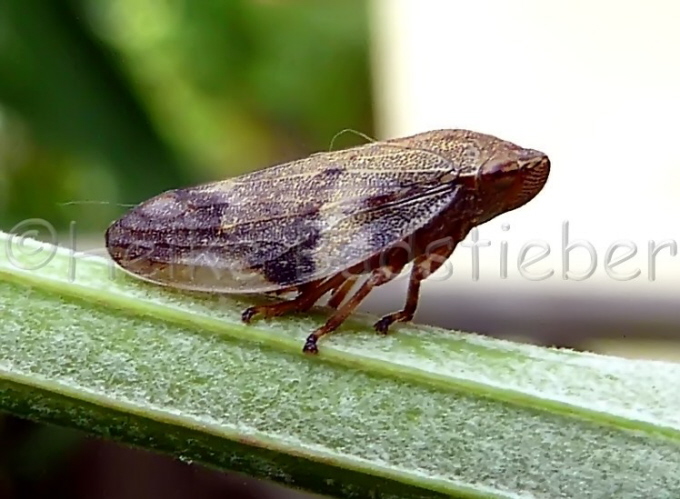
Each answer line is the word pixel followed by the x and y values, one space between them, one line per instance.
pixel 503 168
pixel 503 175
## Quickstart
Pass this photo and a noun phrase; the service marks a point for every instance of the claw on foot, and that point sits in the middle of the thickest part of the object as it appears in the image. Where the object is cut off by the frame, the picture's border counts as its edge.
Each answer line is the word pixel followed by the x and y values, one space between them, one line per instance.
pixel 310 345
pixel 383 325
pixel 248 314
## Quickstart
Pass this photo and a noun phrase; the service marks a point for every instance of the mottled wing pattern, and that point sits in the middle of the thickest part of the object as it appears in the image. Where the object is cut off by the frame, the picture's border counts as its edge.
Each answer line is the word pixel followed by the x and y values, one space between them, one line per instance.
pixel 358 236
pixel 301 221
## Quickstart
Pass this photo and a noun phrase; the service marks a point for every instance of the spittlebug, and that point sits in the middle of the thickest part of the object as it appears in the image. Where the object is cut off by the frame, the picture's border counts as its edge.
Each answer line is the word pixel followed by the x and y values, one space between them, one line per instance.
pixel 324 223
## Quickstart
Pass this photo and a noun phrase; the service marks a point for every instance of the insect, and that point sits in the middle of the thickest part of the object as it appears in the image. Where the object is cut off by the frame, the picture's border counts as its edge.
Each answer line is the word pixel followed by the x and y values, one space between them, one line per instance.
pixel 337 223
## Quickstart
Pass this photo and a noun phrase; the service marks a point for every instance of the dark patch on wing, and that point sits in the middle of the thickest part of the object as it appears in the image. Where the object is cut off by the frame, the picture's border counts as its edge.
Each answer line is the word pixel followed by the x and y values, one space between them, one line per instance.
pixel 408 191
pixel 375 201
pixel 333 172
pixel 169 226
pixel 294 265
pixel 325 183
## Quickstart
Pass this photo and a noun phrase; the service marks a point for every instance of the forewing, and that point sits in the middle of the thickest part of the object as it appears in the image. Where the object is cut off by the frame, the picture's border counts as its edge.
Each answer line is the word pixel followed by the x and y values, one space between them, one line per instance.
pixel 293 223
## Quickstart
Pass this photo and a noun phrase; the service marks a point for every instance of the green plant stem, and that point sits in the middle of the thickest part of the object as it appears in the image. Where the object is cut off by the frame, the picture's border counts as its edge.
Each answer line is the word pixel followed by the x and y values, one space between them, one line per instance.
pixel 421 413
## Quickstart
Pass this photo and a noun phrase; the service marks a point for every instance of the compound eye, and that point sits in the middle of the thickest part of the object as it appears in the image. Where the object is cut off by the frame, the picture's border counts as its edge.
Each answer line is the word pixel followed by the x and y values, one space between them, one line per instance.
pixel 502 174
pixel 503 167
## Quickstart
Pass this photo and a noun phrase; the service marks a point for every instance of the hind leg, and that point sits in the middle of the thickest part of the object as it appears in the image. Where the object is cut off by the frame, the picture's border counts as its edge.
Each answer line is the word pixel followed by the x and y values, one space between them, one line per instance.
pixel 308 295
pixel 378 277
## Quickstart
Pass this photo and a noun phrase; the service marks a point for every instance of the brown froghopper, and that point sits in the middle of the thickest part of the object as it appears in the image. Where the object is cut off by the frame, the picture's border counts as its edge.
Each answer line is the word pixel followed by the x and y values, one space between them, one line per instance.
pixel 330 223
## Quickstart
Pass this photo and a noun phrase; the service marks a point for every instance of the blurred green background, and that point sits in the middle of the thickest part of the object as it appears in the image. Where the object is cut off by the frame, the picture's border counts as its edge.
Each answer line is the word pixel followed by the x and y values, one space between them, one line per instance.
pixel 117 100
pixel 105 103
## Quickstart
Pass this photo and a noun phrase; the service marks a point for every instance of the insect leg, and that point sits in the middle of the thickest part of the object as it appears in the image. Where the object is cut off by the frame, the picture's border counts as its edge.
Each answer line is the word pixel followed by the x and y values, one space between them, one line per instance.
pixel 412 296
pixel 340 292
pixel 308 295
pixel 423 267
pixel 377 278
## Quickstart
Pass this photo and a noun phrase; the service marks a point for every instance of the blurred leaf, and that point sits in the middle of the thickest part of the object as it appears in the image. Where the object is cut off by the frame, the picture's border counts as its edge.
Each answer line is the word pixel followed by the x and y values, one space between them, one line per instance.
pixel 239 85
pixel 118 100
pixel 69 88
pixel 421 413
